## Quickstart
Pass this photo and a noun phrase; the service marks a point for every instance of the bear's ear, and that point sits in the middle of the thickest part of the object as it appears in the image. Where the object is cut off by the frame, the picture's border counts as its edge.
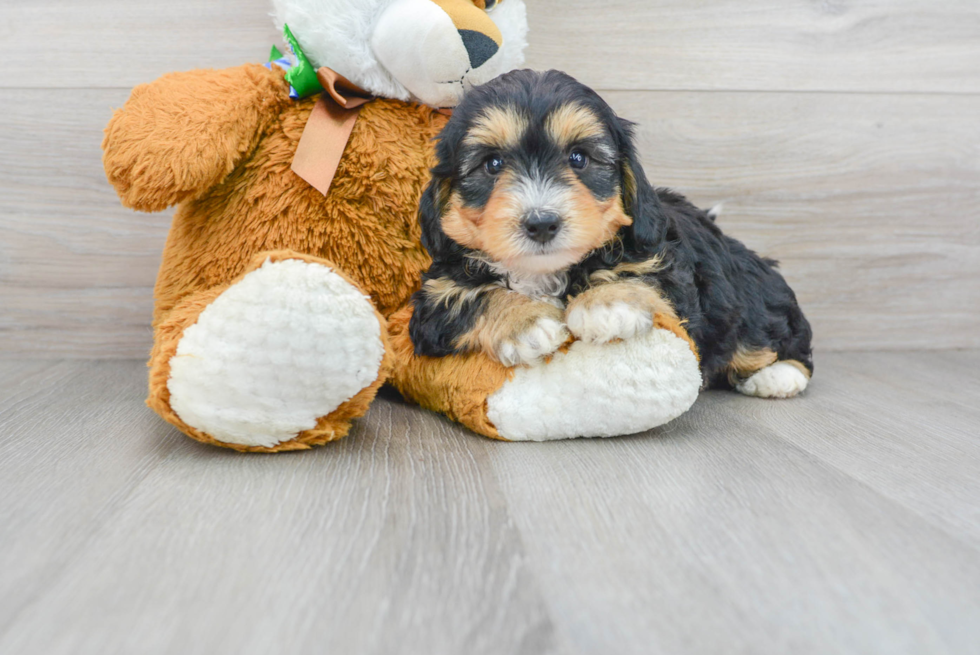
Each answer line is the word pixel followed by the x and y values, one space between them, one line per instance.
pixel 431 208
pixel 640 201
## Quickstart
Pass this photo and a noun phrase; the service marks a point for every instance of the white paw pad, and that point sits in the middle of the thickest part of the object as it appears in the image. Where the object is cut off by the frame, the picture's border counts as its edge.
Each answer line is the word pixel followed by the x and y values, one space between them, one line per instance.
pixel 545 337
pixel 283 347
pixel 605 323
pixel 779 380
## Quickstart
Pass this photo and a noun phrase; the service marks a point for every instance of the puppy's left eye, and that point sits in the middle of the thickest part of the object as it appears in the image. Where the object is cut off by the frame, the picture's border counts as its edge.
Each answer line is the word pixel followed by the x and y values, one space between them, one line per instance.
pixel 494 164
pixel 578 159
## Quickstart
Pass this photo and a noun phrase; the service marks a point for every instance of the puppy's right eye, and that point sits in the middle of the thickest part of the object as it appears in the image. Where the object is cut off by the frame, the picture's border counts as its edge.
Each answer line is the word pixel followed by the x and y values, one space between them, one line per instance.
pixel 494 164
pixel 578 159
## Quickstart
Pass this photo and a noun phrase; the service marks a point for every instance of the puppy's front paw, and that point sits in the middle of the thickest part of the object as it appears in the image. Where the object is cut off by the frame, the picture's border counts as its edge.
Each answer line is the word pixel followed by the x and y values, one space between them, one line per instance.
pixel 545 336
pixel 601 323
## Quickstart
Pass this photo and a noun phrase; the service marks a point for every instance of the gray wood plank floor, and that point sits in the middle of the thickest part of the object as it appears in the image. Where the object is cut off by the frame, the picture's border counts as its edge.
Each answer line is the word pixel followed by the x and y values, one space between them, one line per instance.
pixel 845 521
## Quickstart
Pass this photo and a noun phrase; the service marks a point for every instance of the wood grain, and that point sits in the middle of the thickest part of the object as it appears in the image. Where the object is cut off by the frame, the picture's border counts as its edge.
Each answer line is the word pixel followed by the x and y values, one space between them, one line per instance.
pixel 762 45
pixel 868 201
pixel 850 424
pixel 394 540
pixel 76 268
pixel 75 440
pixel 71 44
pixel 843 521
pixel 753 545
pixel 859 45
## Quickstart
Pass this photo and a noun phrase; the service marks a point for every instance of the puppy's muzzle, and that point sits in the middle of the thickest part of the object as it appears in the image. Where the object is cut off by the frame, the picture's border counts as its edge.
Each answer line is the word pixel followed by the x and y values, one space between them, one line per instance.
pixel 542 226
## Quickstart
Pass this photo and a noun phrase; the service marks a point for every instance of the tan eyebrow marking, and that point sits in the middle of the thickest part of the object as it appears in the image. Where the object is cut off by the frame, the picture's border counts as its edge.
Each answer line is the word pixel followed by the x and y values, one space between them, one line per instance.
pixel 572 123
pixel 498 127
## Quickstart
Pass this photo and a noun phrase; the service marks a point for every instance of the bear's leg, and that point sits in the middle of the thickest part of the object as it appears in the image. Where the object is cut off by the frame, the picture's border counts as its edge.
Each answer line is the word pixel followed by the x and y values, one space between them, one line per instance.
pixel 587 390
pixel 282 358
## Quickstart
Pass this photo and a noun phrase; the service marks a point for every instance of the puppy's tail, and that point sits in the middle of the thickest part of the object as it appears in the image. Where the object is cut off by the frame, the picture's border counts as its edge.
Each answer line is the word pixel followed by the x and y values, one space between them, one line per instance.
pixel 715 211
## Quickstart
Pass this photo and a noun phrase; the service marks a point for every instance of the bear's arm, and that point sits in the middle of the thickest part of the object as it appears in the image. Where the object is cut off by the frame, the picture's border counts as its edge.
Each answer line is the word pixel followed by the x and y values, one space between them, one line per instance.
pixel 178 137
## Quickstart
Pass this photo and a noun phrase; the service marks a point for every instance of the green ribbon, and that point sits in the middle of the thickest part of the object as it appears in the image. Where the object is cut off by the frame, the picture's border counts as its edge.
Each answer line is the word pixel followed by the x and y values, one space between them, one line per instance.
pixel 302 76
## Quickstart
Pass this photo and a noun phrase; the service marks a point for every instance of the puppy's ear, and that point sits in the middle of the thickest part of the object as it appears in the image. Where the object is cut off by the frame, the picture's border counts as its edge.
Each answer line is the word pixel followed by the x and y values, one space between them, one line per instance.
pixel 640 201
pixel 435 198
pixel 431 208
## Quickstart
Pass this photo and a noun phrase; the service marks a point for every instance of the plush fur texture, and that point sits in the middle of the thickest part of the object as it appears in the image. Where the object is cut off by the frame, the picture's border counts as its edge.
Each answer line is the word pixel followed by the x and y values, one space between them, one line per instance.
pixel 601 390
pixel 585 390
pixel 288 343
pixel 537 177
pixel 408 49
pixel 221 143
pixel 457 386
pixel 239 197
pixel 168 336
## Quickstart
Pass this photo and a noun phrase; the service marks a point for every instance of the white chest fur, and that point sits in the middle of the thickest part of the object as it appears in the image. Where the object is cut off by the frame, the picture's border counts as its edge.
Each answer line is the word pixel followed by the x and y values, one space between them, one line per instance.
pixel 548 287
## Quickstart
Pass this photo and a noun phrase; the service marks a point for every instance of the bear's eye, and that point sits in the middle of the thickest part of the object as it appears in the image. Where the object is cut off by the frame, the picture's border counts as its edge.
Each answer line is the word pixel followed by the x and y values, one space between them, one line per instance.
pixel 578 159
pixel 494 164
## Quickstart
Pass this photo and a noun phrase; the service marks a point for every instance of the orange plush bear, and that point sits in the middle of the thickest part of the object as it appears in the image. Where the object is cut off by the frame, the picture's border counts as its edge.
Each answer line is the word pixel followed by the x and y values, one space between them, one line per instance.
pixel 296 242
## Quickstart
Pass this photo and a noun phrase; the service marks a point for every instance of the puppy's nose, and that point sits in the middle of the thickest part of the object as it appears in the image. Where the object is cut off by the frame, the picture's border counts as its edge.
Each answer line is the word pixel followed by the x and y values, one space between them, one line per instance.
pixel 479 47
pixel 542 226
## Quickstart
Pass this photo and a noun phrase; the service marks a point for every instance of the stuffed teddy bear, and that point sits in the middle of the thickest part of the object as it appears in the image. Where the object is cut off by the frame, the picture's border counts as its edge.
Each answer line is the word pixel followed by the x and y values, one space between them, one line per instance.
pixel 282 301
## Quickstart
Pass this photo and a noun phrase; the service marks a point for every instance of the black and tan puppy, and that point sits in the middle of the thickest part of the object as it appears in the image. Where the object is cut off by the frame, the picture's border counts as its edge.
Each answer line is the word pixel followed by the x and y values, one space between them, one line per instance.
pixel 541 222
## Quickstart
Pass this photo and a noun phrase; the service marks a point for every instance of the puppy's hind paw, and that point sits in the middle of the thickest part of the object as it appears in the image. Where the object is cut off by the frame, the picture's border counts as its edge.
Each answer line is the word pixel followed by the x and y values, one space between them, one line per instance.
pixel 604 323
pixel 779 380
pixel 528 347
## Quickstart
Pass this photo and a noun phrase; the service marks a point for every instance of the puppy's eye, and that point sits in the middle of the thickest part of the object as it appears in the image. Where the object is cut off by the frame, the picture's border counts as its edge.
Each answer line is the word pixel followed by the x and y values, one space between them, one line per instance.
pixel 494 164
pixel 578 159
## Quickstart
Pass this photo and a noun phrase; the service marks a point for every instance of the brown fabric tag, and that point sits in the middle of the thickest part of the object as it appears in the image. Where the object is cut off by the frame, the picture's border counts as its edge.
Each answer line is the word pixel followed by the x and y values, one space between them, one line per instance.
pixel 328 130
pixel 322 144
pixel 347 94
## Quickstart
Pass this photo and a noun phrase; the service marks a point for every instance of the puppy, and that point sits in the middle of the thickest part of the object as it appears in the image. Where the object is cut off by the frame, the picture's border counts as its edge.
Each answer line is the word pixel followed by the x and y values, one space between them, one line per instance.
pixel 541 225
